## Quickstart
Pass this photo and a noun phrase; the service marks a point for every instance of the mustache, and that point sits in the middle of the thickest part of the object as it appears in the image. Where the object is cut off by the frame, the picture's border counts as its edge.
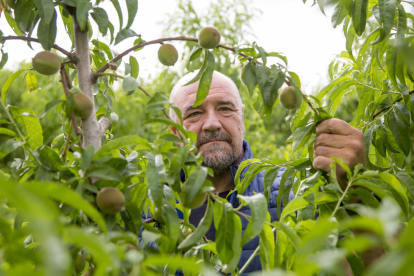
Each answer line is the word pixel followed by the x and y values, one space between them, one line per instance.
pixel 210 136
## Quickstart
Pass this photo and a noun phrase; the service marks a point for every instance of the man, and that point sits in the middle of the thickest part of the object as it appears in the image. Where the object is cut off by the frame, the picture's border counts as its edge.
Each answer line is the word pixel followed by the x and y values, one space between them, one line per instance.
pixel 219 125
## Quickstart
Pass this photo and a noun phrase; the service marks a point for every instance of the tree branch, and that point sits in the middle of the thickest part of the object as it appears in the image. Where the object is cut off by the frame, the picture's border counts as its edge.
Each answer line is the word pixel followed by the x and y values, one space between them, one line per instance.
pixel 70 55
pixel 63 74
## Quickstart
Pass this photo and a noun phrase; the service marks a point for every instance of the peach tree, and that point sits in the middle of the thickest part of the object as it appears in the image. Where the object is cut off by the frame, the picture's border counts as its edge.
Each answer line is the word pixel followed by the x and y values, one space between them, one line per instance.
pixel 72 203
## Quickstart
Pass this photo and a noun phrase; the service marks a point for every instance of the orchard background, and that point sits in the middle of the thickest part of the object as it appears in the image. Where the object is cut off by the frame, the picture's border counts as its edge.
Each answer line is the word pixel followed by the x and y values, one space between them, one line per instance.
pixel 53 164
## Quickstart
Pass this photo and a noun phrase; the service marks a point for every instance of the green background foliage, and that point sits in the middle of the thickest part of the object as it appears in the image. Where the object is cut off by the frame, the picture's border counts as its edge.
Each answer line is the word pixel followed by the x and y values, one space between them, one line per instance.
pixel 47 197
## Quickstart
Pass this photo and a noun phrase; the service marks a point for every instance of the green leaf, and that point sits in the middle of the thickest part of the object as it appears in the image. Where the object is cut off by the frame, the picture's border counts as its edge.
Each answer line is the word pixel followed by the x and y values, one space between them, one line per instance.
pixel 82 11
pixel 101 18
pixel 50 159
pixel 134 67
pixel 201 230
pixel 94 244
pixel 130 84
pixel 328 88
pixel 359 15
pixel 6 131
pixel 302 135
pixel 132 7
pixel 8 83
pixel 124 34
pixel 105 172
pixel 157 102
pixel 190 266
pixel 294 238
pixel 267 247
pixel 46 9
pixel 400 132
pixel 24 13
pixel 118 11
pixel 128 140
pixel 339 14
pixel 396 185
pixel 155 176
pixel 31 82
pixel 205 80
pixel 67 196
pixel 387 14
pixel 29 125
pixel 402 113
pixel 278 55
pixel 228 239
pixel 46 33
pixel 407 180
pixel 249 77
pixel 194 183
pixel 285 182
pixel 87 157
pixel 172 226
pixel 294 205
pixel 10 146
pixel 402 26
pixel 391 61
pixel 50 105
pixel 258 209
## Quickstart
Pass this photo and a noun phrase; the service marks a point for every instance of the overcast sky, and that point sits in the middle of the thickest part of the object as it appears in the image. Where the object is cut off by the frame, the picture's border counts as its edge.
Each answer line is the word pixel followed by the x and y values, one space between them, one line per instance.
pixel 299 31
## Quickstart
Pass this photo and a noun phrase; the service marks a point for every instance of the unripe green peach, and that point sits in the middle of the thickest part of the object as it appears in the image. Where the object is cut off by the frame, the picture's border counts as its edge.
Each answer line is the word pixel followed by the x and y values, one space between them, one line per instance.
pixel 83 105
pixel 288 98
pixel 110 200
pixel 187 231
pixel 197 201
pixel 80 262
pixel 167 54
pixel 158 216
pixel 209 37
pixel 46 63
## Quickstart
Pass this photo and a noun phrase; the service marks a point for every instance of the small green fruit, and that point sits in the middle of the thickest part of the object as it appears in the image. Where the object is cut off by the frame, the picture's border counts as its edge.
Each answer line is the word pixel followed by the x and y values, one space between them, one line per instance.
pixel 158 216
pixel 80 262
pixel 197 201
pixel 209 37
pixel 288 98
pixel 83 105
pixel 46 63
pixel 110 200
pixel 187 231
pixel 167 54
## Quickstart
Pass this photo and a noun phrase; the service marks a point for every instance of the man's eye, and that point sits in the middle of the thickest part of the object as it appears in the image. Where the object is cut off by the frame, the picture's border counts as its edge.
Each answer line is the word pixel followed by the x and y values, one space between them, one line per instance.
pixel 225 109
pixel 194 114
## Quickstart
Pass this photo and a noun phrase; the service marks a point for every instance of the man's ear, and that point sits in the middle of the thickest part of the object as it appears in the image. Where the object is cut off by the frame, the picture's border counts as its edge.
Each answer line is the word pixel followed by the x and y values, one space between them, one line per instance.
pixel 174 130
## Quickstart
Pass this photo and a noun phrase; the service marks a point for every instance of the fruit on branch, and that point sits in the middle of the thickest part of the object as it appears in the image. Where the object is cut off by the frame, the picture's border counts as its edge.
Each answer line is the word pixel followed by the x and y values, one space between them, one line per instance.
pixel 288 98
pixel 80 262
pixel 88 272
pixel 186 231
pixel 158 216
pixel 209 37
pixel 83 105
pixel 46 63
pixel 110 200
pixel 167 54
pixel 197 201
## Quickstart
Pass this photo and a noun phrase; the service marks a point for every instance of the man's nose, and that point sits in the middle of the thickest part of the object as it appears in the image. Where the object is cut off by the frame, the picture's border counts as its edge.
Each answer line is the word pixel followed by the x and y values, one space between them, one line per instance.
pixel 211 121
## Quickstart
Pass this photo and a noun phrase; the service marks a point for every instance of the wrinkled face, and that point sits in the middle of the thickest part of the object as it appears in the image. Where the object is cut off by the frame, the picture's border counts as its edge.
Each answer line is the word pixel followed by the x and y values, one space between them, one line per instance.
pixel 218 122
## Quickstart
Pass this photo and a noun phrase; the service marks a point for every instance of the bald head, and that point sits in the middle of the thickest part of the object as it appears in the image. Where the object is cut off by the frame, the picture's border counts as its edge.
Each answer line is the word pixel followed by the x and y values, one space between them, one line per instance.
pixel 219 81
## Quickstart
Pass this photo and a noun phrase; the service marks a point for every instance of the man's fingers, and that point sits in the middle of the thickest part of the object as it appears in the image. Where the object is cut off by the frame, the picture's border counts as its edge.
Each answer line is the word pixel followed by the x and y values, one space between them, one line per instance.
pixel 322 163
pixel 335 126
pixel 329 152
pixel 338 141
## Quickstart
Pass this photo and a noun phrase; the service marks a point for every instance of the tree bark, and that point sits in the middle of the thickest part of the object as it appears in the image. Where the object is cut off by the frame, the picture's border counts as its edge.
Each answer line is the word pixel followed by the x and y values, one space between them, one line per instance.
pixel 93 130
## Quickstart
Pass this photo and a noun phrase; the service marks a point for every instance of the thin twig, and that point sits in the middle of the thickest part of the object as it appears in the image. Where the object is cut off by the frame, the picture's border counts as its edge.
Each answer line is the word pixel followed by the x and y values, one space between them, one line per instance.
pixel 373 121
pixel 139 87
pixel 366 85
pixel 63 74
pixel 70 55
pixel 65 150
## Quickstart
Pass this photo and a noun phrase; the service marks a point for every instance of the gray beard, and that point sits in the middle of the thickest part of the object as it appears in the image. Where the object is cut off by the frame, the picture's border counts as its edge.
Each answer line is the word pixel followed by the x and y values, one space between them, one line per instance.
pixel 217 156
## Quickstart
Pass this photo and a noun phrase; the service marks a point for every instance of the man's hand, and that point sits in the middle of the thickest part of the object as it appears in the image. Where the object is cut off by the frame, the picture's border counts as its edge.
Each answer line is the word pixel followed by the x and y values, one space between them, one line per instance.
pixel 336 138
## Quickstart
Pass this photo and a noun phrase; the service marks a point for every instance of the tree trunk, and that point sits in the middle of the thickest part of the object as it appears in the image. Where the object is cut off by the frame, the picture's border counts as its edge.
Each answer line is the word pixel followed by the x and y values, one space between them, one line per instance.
pixel 92 130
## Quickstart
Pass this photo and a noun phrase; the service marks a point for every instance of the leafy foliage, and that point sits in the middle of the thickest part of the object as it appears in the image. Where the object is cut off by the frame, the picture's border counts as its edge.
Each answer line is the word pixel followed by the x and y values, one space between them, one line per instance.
pixel 48 212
